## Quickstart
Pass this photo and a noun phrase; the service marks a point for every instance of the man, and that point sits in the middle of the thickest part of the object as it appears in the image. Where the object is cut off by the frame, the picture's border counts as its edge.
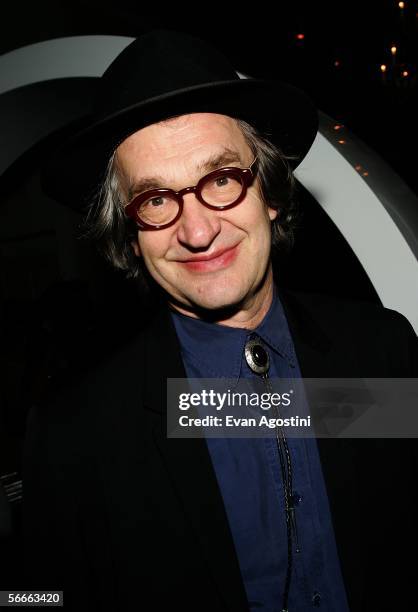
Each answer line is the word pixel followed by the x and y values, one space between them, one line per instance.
pixel 189 196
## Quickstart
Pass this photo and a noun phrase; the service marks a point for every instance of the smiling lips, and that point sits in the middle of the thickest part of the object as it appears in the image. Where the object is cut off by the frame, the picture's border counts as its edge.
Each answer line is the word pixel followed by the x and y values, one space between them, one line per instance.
pixel 209 263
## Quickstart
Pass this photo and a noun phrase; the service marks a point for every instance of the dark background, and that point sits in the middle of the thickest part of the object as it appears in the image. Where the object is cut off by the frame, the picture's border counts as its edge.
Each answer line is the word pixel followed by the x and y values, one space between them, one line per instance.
pixel 56 324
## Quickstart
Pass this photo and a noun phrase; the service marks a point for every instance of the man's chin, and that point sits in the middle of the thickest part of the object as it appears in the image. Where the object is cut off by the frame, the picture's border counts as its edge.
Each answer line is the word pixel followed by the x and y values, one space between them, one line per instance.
pixel 210 308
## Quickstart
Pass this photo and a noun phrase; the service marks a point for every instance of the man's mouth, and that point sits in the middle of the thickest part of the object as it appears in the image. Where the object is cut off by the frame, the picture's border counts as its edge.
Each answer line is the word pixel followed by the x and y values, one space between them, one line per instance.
pixel 210 262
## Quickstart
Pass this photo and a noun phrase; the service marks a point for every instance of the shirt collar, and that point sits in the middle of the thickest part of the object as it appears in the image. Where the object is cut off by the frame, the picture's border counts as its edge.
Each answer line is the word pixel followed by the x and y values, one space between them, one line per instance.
pixel 217 349
pixel 274 331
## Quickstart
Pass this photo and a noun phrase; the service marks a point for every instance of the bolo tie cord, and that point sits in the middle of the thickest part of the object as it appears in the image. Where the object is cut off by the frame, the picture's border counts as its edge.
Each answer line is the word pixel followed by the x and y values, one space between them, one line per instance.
pixel 258 361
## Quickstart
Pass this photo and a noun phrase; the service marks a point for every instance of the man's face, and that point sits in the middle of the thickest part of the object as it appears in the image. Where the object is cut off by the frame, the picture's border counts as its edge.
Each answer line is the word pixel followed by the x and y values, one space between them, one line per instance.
pixel 208 259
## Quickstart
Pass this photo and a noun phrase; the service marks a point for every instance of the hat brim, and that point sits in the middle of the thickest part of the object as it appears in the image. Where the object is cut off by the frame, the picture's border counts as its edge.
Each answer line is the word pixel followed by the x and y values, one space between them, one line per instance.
pixel 280 111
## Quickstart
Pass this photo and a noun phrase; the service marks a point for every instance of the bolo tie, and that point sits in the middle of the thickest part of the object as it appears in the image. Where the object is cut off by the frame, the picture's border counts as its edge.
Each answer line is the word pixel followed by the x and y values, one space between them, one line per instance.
pixel 258 361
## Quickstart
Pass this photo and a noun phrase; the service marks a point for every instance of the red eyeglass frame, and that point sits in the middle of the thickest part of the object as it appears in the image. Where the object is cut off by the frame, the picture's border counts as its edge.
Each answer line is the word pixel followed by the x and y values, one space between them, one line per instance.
pixel 246 177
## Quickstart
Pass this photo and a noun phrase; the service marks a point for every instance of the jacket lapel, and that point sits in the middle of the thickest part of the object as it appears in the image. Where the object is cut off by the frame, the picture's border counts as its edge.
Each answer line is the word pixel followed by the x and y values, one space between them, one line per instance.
pixel 189 466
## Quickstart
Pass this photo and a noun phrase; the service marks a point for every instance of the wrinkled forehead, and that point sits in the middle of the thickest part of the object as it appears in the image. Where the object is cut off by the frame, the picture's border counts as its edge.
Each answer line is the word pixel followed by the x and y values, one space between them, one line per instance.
pixel 184 144
pixel 182 135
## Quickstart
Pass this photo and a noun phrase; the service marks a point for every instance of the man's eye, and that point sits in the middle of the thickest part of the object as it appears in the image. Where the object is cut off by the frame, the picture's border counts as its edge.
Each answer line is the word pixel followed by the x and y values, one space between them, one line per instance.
pixel 156 201
pixel 222 181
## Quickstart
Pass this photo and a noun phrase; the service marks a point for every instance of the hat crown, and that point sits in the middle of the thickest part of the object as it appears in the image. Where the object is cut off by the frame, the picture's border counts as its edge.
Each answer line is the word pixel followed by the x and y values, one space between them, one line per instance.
pixel 160 75
pixel 156 64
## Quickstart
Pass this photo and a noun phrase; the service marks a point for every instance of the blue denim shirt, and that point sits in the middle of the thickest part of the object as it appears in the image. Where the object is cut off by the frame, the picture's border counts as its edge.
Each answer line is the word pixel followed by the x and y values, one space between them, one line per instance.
pixel 249 477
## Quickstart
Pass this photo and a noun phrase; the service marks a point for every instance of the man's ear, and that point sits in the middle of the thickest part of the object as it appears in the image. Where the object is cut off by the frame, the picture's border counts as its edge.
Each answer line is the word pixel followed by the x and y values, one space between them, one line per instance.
pixel 273 213
pixel 136 248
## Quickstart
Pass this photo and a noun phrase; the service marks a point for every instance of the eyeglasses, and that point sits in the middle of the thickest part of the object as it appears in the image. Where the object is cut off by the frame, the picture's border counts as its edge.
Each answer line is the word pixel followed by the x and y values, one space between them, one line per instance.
pixel 221 189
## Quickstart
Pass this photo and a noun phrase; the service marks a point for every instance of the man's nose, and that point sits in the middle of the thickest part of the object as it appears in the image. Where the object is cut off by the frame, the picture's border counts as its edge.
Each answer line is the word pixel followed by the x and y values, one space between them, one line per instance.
pixel 198 225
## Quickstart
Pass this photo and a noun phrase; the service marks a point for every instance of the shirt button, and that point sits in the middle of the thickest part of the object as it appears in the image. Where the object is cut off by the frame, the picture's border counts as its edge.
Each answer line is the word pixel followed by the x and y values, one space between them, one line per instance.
pixel 316 600
pixel 296 499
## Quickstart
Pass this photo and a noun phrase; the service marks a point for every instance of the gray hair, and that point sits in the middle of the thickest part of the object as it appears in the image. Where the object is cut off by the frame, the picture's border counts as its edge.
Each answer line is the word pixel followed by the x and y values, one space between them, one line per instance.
pixel 107 225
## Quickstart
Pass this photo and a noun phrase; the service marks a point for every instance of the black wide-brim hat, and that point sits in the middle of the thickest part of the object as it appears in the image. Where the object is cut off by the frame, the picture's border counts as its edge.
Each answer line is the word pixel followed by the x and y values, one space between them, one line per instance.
pixel 160 75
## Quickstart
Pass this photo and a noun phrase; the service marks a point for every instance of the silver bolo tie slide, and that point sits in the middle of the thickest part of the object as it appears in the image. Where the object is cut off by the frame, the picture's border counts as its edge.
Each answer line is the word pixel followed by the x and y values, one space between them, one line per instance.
pixel 258 361
pixel 257 357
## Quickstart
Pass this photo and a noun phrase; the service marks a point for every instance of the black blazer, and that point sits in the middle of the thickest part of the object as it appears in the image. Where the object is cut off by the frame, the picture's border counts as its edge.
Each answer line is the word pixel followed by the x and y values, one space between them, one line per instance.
pixel 122 518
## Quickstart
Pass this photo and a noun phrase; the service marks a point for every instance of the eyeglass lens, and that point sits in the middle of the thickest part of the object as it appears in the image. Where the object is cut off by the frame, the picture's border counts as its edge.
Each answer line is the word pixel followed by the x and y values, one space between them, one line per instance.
pixel 222 190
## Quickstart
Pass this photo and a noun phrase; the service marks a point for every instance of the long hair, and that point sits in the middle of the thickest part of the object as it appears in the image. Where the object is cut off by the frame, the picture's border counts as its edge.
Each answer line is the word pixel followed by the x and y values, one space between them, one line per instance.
pixel 112 231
